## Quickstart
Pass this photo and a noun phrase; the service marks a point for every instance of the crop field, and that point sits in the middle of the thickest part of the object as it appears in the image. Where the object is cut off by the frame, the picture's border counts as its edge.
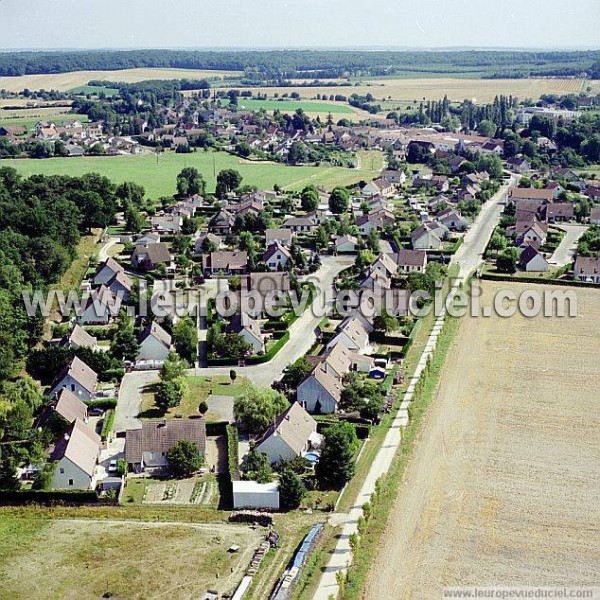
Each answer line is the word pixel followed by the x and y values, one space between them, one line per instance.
pixel 502 486
pixel 28 117
pixel 159 178
pixel 67 81
pixel 411 89
pixel 95 90
pixel 293 105
pixel 91 559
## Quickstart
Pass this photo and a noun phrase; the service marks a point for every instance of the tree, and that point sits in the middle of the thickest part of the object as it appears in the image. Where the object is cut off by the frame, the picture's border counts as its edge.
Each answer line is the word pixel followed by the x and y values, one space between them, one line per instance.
pixel 257 467
pixel 339 200
pixel 203 407
pixel 43 480
pixel 184 458
pixel 293 374
pixel 486 128
pixel 185 339
pixel 173 368
pixel 190 182
pixel 297 153
pixel 309 198
pixel 336 465
pixel 125 345
pixel 507 260
pixel 168 394
pixel 385 322
pixel 232 375
pixel 256 408
pixel 228 180
pixel 497 242
pixel 291 489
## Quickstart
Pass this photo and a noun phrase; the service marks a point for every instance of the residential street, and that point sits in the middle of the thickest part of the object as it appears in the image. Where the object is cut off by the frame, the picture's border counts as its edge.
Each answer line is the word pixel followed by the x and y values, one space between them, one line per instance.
pixel 302 337
pixel 468 258
pixel 565 252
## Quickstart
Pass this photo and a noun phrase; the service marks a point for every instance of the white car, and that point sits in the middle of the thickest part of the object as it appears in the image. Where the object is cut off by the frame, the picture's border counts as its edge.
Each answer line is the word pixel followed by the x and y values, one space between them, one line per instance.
pixel 112 466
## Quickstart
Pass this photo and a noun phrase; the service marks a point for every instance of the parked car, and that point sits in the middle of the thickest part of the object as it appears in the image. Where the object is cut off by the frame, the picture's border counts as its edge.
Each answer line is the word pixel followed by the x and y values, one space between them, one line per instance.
pixel 112 466
pixel 96 412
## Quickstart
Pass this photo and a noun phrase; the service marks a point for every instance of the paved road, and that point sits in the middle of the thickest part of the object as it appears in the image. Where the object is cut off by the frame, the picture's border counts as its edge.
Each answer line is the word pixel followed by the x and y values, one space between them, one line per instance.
pixel 468 258
pixel 103 252
pixel 302 337
pixel 130 399
pixel 564 254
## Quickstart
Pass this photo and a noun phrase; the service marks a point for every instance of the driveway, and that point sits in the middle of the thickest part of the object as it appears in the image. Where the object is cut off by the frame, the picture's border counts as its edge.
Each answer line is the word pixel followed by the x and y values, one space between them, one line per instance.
pixel 103 252
pixel 130 399
pixel 565 252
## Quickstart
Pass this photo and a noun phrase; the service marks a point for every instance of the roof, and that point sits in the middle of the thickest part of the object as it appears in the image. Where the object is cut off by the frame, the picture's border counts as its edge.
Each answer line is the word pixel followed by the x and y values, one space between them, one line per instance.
pixel 587 265
pixel 241 321
pixel 111 264
pixel 225 259
pixel 276 247
pixel 355 330
pixel 80 445
pixel 338 358
pixel 328 382
pixel 121 278
pixel 69 406
pixel 411 258
pixel 272 235
pixel 253 487
pixel 80 372
pixel 531 193
pixel 269 281
pixel 294 426
pixel 160 436
pixel 528 254
pixel 80 338
pixel 157 332
pixel 156 253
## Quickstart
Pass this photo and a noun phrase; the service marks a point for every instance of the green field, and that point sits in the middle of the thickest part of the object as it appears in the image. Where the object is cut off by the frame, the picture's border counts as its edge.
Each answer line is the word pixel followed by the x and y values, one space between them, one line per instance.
pixel 94 89
pixel 28 117
pixel 159 178
pixel 286 105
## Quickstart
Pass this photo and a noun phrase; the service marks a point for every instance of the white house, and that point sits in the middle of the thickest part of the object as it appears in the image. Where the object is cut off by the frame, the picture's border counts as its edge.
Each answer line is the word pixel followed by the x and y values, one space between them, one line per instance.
pixel 424 238
pixel 75 455
pixel 411 260
pixel 78 337
pixel 587 268
pixel 249 330
pixel 289 435
pixel 251 494
pixel 532 261
pixel 346 243
pixel 277 257
pixel 319 392
pixel 76 377
pixel 100 307
pixel 352 334
pixel 106 271
pixel 155 343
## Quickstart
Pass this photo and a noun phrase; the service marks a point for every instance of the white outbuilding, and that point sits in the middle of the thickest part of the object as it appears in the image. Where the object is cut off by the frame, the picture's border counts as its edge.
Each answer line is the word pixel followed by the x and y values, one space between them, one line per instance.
pixel 250 494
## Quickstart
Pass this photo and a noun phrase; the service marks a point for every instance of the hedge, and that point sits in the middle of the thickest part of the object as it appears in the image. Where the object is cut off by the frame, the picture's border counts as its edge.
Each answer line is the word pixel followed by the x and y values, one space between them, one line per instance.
pixel 563 282
pixel 103 403
pixel 68 497
pixel 273 350
pixel 232 451
pixel 107 423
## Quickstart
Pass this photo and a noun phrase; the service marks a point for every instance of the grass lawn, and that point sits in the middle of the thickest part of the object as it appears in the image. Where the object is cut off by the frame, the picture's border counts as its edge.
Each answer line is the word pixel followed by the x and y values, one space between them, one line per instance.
pixel 159 178
pixel 198 389
pixel 53 558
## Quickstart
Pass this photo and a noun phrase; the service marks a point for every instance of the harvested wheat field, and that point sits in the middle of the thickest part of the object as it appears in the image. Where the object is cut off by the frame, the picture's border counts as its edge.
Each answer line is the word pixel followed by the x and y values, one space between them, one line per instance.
pixel 502 488
pixel 66 81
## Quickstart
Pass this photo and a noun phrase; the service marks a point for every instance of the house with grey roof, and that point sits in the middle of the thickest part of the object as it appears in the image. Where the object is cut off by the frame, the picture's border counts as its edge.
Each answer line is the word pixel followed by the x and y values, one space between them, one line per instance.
pixel 155 343
pixel 76 377
pixel 289 436
pixel 146 448
pixel 75 455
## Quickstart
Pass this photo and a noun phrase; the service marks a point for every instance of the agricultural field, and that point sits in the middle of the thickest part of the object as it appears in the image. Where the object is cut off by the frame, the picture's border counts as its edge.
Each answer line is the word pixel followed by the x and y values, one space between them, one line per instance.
pixel 42 558
pixel 411 89
pixel 95 90
pixel 502 486
pixel 67 81
pixel 28 117
pixel 293 105
pixel 159 177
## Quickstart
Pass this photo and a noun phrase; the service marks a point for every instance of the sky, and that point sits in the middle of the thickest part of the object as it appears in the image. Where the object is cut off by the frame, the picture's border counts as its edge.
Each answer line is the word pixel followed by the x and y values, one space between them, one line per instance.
pixel 52 24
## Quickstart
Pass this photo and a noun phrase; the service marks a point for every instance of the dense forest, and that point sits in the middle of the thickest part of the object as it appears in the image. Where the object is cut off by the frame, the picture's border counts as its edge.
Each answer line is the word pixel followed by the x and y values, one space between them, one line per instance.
pixel 261 65
pixel 41 222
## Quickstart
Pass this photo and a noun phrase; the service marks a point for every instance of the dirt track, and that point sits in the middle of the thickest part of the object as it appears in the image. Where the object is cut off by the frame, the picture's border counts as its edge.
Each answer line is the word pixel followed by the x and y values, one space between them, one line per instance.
pixel 503 486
